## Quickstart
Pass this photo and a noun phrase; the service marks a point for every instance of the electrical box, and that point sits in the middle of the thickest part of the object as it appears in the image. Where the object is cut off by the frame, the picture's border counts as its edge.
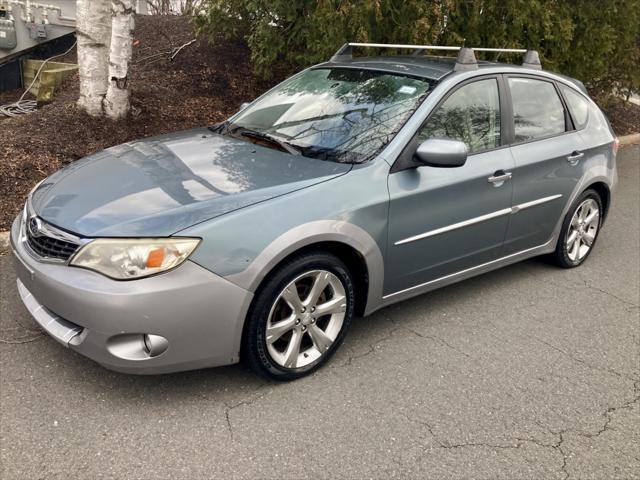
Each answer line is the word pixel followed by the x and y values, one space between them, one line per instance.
pixel 8 40
pixel 37 31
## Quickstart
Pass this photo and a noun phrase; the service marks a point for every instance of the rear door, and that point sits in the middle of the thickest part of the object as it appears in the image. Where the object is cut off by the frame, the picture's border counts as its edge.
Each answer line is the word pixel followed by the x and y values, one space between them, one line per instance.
pixel 445 220
pixel 548 155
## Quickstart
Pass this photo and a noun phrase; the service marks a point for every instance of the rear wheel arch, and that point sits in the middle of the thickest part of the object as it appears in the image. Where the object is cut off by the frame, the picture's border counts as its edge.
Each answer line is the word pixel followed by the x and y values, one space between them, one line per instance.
pixel 602 189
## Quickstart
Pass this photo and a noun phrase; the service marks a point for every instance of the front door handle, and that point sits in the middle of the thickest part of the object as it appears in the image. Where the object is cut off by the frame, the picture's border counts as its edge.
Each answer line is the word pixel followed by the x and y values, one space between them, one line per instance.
pixel 575 157
pixel 499 178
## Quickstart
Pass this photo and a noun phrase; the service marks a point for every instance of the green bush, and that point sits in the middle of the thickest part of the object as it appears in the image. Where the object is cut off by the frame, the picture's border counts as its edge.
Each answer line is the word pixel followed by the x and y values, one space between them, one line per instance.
pixel 597 42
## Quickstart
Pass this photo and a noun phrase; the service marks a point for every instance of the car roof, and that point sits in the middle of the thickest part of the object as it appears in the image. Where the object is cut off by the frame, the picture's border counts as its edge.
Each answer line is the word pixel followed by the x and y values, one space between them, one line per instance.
pixel 430 67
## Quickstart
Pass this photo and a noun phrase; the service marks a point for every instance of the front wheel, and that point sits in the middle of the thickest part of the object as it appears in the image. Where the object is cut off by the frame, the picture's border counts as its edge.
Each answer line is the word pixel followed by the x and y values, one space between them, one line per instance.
pixel 299 317
pixel 579 230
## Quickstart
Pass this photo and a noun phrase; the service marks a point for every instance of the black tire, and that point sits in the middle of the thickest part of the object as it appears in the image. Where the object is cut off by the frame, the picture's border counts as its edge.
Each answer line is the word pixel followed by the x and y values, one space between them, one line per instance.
pixel 561 255
pixel 255 352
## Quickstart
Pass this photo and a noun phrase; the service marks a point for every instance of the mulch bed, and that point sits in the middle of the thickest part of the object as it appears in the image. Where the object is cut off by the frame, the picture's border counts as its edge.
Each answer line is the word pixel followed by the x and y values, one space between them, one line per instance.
pixel 204 84
pixel 624 116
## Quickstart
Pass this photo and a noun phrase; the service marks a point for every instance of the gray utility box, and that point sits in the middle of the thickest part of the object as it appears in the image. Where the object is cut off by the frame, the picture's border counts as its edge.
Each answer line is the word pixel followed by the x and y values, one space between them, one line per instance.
pixel 8 39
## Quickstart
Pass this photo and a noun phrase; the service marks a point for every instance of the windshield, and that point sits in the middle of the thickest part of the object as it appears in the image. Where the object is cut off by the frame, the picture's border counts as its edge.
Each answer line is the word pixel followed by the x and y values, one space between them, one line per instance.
pixel 338 114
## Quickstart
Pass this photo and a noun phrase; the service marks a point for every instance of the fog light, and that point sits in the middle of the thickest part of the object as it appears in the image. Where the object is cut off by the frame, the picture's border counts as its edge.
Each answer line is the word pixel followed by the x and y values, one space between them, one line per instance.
pixel 137 346
pixel 155 344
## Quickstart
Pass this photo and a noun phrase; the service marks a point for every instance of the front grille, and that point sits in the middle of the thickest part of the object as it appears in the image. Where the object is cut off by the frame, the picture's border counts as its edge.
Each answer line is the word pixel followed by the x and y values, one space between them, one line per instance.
pixel 43 240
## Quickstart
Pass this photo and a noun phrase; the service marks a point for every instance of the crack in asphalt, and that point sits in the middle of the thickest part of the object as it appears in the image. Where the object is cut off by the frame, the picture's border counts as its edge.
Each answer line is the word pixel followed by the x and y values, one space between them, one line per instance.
pixel 565 456
pixel 22 340
pixel 29 334
pixel 426 425
pixel 371 346
pixel 434 338
pixel 557 446
pixel 608 416
pixel 519 442
pixel 605 427
pixel 583 362
pixel 246 402
pixel 597 289
pixel 437 340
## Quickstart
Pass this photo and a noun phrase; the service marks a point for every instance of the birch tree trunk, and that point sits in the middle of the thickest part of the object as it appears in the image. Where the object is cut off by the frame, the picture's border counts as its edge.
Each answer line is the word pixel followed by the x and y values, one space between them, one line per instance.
pixel 116 102
pixel 93 30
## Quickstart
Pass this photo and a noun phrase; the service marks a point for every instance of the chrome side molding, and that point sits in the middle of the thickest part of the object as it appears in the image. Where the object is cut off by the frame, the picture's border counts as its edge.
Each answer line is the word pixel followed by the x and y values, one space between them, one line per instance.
pixel 455 226
pixel 482 218
pixel 533 203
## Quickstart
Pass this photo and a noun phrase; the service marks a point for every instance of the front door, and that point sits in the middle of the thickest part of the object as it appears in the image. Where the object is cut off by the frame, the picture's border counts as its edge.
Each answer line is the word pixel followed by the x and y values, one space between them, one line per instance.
pixel 445 220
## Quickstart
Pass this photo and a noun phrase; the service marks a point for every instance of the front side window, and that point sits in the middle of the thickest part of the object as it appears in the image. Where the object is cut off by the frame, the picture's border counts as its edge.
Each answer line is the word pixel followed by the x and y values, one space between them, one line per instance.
pixel 471 114
pixel 537 109
pixel 578 106
pixel 338 114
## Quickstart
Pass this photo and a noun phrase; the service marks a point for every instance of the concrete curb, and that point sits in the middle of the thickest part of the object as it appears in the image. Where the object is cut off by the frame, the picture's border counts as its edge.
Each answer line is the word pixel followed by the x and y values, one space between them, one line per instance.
pixel 631 139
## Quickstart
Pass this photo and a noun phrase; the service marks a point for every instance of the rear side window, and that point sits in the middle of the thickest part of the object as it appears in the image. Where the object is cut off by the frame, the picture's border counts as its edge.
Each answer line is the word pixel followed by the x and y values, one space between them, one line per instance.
pixel 578 106
pixel 471 114
pixel 537 109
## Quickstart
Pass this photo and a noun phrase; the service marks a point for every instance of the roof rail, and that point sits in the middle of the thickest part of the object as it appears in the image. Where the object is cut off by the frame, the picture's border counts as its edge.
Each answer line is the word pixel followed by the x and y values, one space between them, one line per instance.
pixel 466 56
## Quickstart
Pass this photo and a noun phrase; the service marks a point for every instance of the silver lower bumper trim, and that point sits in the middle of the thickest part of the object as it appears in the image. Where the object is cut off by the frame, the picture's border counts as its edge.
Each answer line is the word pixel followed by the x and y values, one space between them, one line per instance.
pixel 60 329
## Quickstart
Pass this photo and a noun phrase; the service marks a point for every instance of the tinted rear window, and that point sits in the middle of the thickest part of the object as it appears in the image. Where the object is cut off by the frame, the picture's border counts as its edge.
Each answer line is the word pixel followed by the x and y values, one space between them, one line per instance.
pixel 537 109
pixel 578 106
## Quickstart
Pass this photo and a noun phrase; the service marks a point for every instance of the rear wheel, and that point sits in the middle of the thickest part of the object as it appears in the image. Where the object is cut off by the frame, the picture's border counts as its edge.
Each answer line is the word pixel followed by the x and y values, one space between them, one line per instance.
pixel 300 316
pixel 579 230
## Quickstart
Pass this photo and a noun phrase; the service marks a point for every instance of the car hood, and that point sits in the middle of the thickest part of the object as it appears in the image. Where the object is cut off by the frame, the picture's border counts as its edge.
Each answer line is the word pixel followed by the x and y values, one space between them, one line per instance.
pixel 159 186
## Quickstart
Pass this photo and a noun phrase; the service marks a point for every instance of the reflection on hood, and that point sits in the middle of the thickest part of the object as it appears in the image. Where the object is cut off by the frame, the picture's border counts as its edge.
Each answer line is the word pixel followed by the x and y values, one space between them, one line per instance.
pixel 158 186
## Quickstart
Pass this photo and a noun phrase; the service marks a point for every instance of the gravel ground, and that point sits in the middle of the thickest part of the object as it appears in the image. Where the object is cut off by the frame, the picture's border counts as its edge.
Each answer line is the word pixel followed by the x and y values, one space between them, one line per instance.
pixel 527 372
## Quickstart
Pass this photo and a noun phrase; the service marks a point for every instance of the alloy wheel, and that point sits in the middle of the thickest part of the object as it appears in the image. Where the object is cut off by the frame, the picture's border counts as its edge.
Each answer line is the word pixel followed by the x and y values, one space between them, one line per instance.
pixel 305 319
pixel 582 230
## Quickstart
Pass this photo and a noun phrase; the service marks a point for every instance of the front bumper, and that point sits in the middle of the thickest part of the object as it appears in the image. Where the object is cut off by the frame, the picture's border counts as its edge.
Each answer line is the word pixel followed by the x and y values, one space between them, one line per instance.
pixel 199 313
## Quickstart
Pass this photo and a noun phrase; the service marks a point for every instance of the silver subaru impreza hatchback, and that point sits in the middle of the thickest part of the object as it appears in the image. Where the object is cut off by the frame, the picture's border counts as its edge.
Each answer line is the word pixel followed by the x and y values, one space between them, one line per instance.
pixel 350 186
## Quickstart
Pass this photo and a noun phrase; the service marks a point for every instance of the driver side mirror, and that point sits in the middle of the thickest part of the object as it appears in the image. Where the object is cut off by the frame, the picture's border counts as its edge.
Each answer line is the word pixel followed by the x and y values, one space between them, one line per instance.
pixel 244 105
pixel 442 152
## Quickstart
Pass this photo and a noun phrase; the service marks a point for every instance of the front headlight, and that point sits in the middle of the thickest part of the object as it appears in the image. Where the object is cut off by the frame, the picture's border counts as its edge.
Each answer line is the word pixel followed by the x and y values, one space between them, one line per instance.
pixel 124 259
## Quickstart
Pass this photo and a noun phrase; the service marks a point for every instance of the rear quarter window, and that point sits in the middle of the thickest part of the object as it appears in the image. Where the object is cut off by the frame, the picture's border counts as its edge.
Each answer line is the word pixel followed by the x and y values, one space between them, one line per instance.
pixel 537 109
pixel 578 106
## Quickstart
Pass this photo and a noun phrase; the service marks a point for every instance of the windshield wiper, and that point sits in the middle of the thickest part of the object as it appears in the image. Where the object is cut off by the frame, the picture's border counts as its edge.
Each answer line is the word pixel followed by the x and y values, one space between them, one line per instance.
pixel 247 132
pixel 221 127
pixel 227 127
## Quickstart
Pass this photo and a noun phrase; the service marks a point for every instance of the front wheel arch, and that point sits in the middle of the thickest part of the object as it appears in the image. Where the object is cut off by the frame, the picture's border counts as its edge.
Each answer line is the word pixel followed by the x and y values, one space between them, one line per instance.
pixel 354 261
pixel 251 351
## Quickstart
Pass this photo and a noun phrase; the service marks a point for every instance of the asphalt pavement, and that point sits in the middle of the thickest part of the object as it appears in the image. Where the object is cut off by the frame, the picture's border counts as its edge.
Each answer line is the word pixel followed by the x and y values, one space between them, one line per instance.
pixel 528 372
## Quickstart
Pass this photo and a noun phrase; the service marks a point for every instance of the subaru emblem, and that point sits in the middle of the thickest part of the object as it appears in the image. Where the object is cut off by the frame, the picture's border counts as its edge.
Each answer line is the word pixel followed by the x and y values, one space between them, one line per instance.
pixel 35 226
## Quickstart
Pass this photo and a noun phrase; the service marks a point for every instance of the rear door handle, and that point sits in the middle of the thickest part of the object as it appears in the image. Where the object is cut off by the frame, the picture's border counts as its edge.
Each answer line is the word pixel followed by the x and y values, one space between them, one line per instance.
pixel 499 177
pixel 575 157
